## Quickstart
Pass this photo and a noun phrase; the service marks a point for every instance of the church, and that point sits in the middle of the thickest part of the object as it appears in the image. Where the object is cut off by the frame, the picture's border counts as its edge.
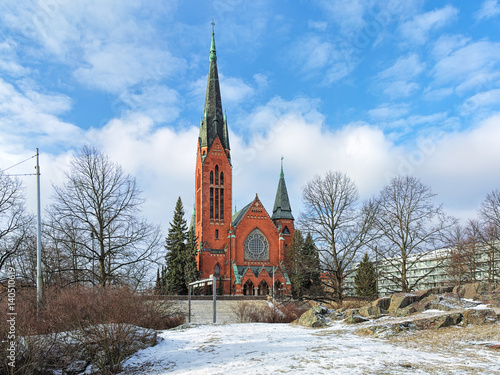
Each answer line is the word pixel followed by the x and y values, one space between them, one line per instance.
pixel 246 250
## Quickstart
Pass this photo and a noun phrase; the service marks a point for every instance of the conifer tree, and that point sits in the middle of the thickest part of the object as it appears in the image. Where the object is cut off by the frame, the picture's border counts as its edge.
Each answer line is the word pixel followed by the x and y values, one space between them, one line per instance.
pixel 191 267
pixel 366 279
pixel 175 258
pixel 293 262
pixel 158 283
pixel 311 267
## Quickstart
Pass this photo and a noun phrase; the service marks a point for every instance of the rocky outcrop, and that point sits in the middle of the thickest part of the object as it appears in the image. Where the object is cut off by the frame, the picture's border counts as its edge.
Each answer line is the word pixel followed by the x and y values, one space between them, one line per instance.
pixel 315 317
pixel 434 321
pixel 401 300
pixel 383 303
pixel 370 311
pixel 479 316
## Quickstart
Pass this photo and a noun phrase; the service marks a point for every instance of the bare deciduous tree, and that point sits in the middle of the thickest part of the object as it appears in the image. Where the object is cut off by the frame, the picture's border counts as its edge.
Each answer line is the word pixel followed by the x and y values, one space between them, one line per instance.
pixel 458 266
pixel 96 217
pixel 409 224
pixel 14 222
pixel 489 214
pixel 338 223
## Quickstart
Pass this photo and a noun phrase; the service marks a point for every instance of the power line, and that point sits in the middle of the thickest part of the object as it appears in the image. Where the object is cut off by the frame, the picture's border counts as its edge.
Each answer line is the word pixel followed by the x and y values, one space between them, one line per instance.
pixel 20 174
pixel 15 165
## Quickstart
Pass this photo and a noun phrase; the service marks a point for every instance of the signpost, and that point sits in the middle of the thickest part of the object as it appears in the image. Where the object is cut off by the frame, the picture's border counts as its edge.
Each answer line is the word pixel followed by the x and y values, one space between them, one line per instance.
pixel 210 281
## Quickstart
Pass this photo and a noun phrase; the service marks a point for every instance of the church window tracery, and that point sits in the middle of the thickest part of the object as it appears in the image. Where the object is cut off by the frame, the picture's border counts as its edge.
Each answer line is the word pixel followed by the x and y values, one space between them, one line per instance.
pixel 256 246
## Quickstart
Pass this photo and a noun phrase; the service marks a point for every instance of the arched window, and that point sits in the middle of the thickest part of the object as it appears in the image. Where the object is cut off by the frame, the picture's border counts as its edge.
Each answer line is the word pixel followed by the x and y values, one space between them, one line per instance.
pixel 263 288
pixel 216 234
pixel 211 203
pixel 216 203
pixel 211 178
pixel 222 204
pixel 248 288
pixel 216 175
pixel 217 270
pixel 222 179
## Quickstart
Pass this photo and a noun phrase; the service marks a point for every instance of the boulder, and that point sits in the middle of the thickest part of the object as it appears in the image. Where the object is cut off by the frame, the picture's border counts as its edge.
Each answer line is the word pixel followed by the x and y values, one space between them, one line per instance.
pixel 468 291
pixel 383 303
pixel 315 317
pixel 355 319
pixel 351 312
pixel 438 321
pixel 405 311
pixel 336 315
pixel 370 311
pixel 479 316
pixel 430 322
pixel 400 300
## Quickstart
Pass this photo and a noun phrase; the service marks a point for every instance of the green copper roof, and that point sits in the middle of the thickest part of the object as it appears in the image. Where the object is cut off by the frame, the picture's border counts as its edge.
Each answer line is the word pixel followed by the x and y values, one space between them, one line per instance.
pixel 282 208
pixel 237 216
pixel 213 122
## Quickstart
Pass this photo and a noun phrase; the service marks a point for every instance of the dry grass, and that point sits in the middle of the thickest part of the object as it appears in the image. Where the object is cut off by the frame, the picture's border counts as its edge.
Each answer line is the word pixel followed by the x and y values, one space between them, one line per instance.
pixel 351 303
pixel 455 338
pixel 251 312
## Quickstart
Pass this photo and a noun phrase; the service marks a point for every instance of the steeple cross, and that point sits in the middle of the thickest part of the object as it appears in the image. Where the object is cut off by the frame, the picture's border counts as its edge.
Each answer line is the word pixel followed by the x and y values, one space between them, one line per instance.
pixel 213 27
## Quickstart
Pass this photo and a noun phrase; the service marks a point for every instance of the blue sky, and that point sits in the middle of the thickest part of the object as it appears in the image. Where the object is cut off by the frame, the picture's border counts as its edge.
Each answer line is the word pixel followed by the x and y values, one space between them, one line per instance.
pixel 371 88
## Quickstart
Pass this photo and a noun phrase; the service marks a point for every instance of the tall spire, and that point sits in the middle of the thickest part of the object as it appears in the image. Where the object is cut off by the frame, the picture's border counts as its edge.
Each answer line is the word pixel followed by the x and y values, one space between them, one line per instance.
pixel 213 122
pixel 282 208
pixel 213 55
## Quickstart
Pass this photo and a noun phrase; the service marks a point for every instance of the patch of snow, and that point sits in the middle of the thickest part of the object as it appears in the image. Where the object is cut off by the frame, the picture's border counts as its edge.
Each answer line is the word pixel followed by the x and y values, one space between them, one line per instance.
pixel 261 348
pixel 482 307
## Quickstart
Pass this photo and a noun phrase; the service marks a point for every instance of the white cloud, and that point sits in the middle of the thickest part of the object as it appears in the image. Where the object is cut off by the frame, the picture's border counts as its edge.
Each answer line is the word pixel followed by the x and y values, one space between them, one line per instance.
pixel 30 117
pixel 479 57
pixel 418 29
pixel 483 99
pixel 348 14
pixel 107 44
pixel 235 90
pixel 446 44
pixel 396 81
pixel 313 54
pixel 388 111
pixel 8 61
pixel 114 68
pixel 489 9
pixel 158 102
pixel 462 166
pixel 405 67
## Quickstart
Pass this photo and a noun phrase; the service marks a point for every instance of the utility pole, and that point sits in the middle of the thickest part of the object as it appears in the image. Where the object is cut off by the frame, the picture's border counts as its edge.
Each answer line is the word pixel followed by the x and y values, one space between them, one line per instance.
pixel 38 238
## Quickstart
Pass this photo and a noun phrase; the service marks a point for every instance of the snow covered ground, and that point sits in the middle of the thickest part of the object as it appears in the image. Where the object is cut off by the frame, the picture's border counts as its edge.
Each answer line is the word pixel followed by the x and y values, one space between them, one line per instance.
pixel 259 348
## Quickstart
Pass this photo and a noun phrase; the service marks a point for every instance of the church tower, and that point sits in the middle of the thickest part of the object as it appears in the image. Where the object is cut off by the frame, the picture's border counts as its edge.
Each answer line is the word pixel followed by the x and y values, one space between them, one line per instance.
pixel 213 176
pixel 282 214
pixel 245 251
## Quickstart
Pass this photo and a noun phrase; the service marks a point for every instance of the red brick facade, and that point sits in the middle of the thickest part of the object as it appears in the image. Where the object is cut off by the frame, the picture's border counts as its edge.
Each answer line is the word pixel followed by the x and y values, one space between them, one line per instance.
pixel 247 249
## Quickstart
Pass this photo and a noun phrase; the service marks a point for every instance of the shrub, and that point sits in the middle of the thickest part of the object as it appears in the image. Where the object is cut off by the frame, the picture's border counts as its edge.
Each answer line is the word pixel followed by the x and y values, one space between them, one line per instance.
pixel 82 309
pixel 252 312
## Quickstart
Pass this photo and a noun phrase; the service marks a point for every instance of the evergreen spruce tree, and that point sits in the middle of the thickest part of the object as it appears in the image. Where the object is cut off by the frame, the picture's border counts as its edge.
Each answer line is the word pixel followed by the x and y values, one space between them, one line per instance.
pixel 191 267
pixel 158 283
pixel 293 261
pixel 311 267
pixel 366 279
pixel 175 258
